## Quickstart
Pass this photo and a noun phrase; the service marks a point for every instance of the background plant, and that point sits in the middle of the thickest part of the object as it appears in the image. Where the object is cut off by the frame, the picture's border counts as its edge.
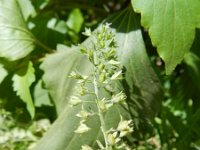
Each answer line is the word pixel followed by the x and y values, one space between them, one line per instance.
pixel 34 68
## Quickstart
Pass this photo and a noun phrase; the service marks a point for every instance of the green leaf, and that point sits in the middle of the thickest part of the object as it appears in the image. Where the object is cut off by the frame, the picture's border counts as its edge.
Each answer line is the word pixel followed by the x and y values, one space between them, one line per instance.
pixel 15 40
pixel 171 25
pixel 27 8
pixel 22 81
pixel 59 65
pixel 141 82
pixel 3 73
pixel 75 20
pixel 41 96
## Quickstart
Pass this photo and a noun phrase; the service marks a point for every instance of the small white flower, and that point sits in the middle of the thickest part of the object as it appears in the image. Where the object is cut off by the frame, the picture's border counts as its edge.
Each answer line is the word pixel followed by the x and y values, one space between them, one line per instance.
pixel 120 97
pixel 84 114
pixel 87 32
pixel 107 25
pixel 103 105
pixel 74 100
pixel 82 128
pixel 86 147
pixel 113 139
pixel 125 127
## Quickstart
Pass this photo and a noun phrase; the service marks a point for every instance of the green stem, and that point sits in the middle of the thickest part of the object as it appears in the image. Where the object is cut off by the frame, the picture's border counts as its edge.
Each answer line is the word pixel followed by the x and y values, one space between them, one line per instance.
pixel 100 113
pixel 43 46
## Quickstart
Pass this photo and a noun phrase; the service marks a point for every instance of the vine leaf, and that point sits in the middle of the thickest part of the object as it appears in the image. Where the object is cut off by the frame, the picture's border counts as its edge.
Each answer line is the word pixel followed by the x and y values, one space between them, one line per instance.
pixel 171 25
pixel 15 40
pixel 22 80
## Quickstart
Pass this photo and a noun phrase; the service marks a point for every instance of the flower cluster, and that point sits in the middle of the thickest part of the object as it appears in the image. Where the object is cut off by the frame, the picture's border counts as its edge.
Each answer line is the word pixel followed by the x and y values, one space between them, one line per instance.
pixel 106 70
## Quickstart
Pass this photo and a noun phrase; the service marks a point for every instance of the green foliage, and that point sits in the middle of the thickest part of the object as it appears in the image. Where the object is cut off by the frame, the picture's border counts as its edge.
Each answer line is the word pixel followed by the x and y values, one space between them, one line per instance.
pixel 41 45
pixel 15 40
pixel 171 27
pixel 22 80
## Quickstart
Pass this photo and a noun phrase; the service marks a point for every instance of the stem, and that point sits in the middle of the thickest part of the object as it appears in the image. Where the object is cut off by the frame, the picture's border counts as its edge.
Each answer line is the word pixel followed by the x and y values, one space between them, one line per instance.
pixel 43 46
pixel 100 113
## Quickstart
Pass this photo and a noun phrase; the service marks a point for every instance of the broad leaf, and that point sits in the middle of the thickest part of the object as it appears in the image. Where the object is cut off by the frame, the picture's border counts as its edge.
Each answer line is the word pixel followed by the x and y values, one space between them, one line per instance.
pixel 15 40
pixel 22 81
pixel 171 25
pixel 141 82
pixel 59 65
pixel 61 88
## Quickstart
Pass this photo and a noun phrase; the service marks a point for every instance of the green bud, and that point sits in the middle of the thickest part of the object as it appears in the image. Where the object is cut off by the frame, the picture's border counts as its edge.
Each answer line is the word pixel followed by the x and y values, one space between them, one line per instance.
pixel 113 139
pixel 102 77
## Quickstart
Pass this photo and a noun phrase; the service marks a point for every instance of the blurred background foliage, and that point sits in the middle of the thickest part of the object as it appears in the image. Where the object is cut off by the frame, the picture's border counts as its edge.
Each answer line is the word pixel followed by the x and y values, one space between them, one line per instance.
pixel 175 127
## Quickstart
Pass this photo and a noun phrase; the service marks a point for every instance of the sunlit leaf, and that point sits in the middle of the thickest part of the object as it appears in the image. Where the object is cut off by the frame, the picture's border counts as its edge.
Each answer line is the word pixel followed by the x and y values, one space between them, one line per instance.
pixel 22 81
pixel 15 40
pixel 171 25
pixel 75 20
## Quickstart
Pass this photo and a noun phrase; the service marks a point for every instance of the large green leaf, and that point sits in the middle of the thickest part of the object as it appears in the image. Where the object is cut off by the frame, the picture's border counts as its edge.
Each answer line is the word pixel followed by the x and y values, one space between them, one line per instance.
pixel 22 81
pixel 57 66
pixel 171 25
pixel 15 40
pixel 141 82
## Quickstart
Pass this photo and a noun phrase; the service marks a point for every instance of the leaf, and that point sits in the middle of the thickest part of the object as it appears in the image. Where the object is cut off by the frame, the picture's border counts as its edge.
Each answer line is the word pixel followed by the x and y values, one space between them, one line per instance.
pixel 75 20
pixel 171 25
pixel 41 96
pixel 141 82
pixel 22 81
pixel 27 8
pixel 59 65
pixel 3 73
pixel 15 40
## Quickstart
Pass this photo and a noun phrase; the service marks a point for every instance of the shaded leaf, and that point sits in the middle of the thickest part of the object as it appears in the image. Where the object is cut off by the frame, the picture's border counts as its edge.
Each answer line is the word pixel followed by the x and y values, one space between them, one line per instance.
pixel 141 83
pixel 22 81
pixel 15 40
pixel 41 95
pixel 171 26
